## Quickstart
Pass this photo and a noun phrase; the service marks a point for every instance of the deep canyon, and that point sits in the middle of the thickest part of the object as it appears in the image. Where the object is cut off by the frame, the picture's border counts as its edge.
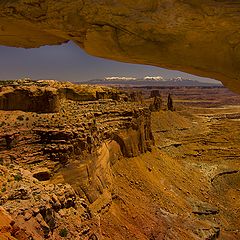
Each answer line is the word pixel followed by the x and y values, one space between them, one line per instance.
pixel 101 165
pixel 95 162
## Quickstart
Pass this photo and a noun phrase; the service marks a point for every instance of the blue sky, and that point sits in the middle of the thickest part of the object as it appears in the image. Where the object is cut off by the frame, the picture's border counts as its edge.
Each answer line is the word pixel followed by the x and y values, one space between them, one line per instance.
pixel 68 62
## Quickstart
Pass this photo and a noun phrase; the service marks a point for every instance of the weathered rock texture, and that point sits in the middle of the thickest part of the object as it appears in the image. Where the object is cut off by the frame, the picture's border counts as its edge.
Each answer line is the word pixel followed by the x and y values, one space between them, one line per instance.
pixel 31 100
pixel 6 223
pixel 67 174
pixel 199 37
pixel 76 145
pixel 44 96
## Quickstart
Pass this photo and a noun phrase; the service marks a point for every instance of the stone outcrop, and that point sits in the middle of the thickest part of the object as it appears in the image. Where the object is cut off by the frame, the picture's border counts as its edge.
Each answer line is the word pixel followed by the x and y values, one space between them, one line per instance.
pixel 199 37
pixel 64 157
pixel 71 94
pixel 43 100
pixel 170 103
pixel 68 175
pixel 6 222
pixel 156 106
pixel 44 96
pixel 43 211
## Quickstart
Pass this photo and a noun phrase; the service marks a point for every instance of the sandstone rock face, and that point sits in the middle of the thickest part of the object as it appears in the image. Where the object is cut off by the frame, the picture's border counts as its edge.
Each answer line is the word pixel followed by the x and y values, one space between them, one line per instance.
pixel 47 210
pixel 156 105
pixel 199 37
pixel 6 223
pixel 30 100
pixel 64 157
pixel 44 96
pixel 68 174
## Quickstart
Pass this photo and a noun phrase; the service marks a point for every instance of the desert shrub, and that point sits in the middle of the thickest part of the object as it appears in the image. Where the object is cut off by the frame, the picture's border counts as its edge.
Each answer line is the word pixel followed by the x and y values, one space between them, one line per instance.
pixel 18 177
pixel 4 189
pixel 2 124
pixel 63 232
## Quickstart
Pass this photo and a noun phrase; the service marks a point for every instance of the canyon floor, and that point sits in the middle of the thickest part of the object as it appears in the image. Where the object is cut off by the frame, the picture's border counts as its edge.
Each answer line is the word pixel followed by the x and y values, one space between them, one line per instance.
pixel 186 186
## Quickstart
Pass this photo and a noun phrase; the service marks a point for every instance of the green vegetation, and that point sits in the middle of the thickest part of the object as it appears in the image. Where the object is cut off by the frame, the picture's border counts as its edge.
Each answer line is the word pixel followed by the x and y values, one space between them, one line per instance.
pixel 18 177
pixel 2 124
pixel 63 232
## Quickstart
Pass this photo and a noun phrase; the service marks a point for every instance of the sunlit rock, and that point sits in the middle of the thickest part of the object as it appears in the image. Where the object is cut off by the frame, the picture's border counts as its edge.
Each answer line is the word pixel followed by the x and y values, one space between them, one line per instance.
pixel 198 37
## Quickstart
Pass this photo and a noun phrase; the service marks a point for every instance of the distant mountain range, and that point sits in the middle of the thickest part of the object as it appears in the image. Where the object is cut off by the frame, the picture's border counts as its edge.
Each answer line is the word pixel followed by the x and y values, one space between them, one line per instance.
pixel 151 81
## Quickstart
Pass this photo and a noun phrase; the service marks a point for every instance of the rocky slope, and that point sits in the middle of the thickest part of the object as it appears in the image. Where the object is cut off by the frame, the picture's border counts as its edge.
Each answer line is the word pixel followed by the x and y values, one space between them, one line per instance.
pixel 199 37
pixel 56 168
pixel 93 171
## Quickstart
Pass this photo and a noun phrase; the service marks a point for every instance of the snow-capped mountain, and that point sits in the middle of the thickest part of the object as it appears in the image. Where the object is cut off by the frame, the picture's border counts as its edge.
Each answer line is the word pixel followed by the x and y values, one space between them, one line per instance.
pixel 151 81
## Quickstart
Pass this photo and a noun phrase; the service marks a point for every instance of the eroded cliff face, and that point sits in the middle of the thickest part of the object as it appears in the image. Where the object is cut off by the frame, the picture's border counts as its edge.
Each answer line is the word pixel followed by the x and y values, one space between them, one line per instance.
pixel 199 37
pixel 41 100
pixel 61 175
pixel 43 96
pixel 90 171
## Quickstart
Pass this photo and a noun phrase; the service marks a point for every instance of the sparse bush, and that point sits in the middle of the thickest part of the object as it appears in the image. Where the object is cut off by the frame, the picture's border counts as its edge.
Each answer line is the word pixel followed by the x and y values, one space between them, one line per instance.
pixel 4 189
pixel 2 124
pixel 63 232
pixel 18 177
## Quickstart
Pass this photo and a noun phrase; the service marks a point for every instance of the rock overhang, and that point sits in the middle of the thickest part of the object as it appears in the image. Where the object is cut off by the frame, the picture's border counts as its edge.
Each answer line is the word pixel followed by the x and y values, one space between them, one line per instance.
pixel 198 37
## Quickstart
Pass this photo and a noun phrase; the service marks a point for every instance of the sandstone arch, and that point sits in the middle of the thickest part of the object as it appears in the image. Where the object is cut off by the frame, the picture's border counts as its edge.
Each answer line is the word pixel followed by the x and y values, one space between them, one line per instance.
pixel 201 37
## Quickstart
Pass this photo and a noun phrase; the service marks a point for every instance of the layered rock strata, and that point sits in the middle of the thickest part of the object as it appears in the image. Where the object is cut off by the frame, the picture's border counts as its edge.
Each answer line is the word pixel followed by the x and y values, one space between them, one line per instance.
pixel 56 168
pixel 43 96
pixel 31 100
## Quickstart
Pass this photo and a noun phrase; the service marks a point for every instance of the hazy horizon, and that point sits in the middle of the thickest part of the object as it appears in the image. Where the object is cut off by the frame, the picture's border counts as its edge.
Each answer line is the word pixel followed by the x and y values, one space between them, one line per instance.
pixel 68 62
